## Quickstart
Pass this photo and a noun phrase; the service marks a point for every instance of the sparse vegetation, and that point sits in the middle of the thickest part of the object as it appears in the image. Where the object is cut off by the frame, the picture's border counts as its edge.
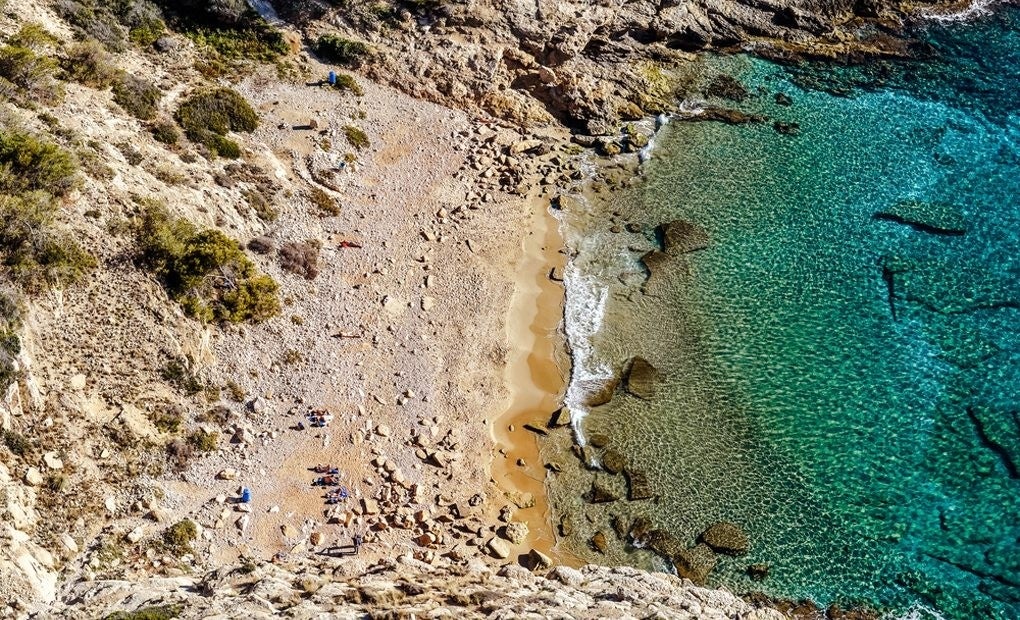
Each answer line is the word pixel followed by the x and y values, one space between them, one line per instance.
pixel 166 132
pixel 114 24
pixel 341 51
pixel 33 174
pixel 160 612
pixel 178 373
pixel 18 444
pixel 10 343
pixel 301 258
pixel 292 356
pixel 90 64
pixel 137 96
pixel 235 391
pixel 203 441
pixel 168 421
pixel 178 537
pixel 261 205
pixel 204 270
pixel 326 204
pixel 348 83
pixel 207 116
pixel 26 74
pixel 357 138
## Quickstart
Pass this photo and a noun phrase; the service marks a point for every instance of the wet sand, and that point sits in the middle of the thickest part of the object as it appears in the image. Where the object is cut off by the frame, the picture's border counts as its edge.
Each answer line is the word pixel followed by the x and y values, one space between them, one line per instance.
pixel 536 375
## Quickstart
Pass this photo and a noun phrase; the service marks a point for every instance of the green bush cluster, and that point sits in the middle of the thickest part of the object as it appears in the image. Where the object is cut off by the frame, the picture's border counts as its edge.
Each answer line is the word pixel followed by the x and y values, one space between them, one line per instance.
pixel 166 132
pixel 18 444
pixel 340 50
pixel 204 270
pixel 27 74
pixel 160 612
pixel 137 96
pixel 229 31
pixel 34 174
pixel 90 64
pixel 208 115
pixel 204 441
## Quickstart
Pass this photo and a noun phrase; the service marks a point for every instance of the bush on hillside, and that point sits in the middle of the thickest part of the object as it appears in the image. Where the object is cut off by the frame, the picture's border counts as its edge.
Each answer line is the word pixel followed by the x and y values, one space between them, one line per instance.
pixel 207 116
pixel 33 173
pixel 27 76
pixel 204 270
pixel 115 23
pixel 341 51
pixel 166 132
pixel 10 343
pixel 357 138
pixel 90 64
pixel 301 258
pixel 348 83
pixel 229 30
pixel 137 96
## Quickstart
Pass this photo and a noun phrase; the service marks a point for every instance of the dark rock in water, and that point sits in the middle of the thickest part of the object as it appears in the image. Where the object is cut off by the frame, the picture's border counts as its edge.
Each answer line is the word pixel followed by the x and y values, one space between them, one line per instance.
pixel 613 462
pixel 599 542
pixel 638 487
pixel 726 115
pixel 726 87
pixel 599 440
pixel 620 526
pixel 835 612
pixel 939 218
pixel 695 563
pixel 599 392
pixel 783 99
pixel 640 378
pixel 535 428
pixel 640 527
pixel 567 202
pixel 758 572
pixel 725 537
pixel 609 148
pixel 786 128
pixel 566 527
pixel 658 265
pixel 633 227
pixel 682 237
pixel 560 418
pixel 602 495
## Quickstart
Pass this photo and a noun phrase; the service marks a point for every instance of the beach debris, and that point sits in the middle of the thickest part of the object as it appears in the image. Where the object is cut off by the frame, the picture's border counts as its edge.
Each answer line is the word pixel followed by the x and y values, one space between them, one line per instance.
pixel 725 537
pixel 556 274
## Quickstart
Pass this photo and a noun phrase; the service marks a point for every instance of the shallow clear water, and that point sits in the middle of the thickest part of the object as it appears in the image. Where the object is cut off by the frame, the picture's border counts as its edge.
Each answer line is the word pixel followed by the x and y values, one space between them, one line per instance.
pixel 846 388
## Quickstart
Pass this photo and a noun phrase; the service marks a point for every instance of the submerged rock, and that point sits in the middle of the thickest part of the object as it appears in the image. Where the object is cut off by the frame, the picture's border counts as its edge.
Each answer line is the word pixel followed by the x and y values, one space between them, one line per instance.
pixel 931 217
pixel 599 542
pixel 758 572
pixel 695 563
pixel 613 462
pixel 682 237
pixel 599 391
pixel 640 378
pixel 725 537
pixel 638 487
pixel 602 495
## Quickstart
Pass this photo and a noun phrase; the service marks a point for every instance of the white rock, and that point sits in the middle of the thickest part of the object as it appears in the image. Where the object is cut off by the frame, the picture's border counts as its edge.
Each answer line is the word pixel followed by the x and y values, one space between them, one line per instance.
pixel 68 542
pixel 111 504
pixel 136 534
pixel 78 382
pixel 53 461
pixel 33 477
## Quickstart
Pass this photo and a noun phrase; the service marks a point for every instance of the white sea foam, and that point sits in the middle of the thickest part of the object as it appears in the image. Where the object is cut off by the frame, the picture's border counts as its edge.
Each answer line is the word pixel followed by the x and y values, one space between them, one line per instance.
pixel 585 309
pixel 918 612
pixel 975 9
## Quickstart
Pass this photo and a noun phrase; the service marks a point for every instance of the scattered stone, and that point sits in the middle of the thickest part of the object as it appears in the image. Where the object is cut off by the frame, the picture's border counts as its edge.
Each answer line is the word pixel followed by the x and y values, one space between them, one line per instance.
pixel 534 428
pixel 786 128
pixel 516 532
pixel 599 440
pixel 289 531
pixel 315 538
pixel 136 534
pixel 499 548
pixel 33 477
pixel 383 430
pixel 599 542
pixel 602 495
pixel 725 537
pixel 227 474
pixel 524 146
pixel 369 506
pixel 613 462
pixel 538 560
pixel 78 382
pixel 783 99
pixel 566 575
pixel 560 418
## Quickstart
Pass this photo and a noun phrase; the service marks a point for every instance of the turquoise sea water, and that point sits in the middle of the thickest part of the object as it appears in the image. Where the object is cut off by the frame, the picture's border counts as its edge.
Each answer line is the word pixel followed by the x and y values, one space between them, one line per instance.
pixel 844 387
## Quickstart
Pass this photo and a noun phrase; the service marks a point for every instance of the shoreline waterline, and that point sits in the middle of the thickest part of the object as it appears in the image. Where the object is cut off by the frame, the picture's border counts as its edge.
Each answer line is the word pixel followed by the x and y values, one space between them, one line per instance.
pixel 536 375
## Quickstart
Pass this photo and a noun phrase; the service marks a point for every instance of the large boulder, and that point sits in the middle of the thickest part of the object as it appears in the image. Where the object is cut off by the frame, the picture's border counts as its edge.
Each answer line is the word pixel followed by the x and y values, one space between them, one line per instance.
pixel 640 378
pixel 599 391
pixel 638 487
pixel 725 537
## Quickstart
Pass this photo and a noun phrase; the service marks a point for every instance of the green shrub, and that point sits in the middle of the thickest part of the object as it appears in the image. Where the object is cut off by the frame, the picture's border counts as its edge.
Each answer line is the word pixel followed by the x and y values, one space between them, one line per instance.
pixel 357 138
pixel 258 202
pixel 229 32
pixel 90 64
pixel 178 373
pixel 204 270
pixel 27 76
pixel 348 83
pixel 18 444
pixel 203 441
pixel 137 96
pixel 207 116
pixel 165 132
pixel 114 23
pixel 32 173
pixel 161 612
pixel 168 421
pixel 179 536
pixel 326 204
pixel 340 50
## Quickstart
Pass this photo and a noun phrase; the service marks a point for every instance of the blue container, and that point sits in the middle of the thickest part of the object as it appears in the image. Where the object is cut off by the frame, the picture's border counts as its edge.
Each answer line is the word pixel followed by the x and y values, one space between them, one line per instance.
pixel 332 78
pixel 245 495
